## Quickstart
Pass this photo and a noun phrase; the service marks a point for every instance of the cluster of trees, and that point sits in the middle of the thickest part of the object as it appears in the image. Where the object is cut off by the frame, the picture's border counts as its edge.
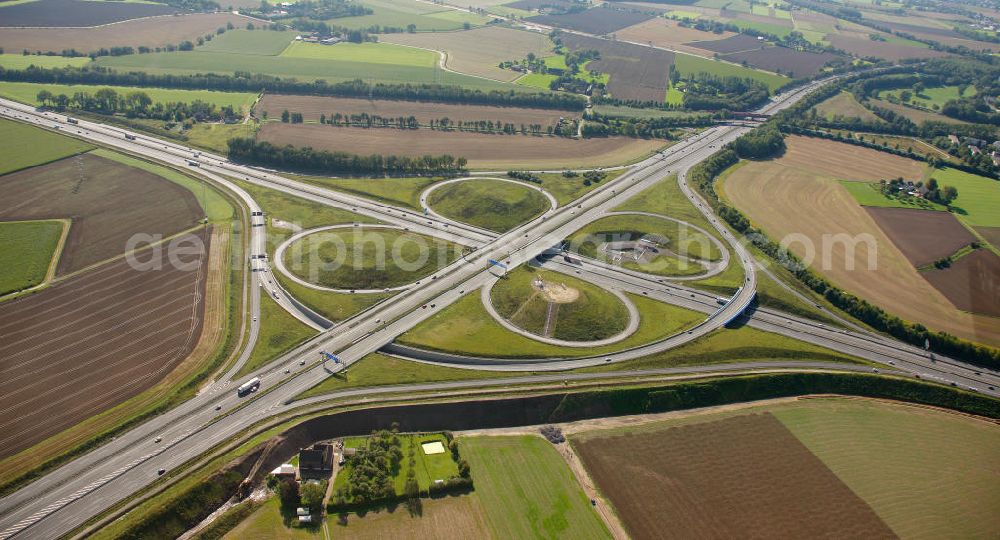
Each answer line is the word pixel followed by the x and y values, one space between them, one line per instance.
pixel 248 150
pixel 896 188
pixel 136 104
pixel 703 176
pixel 705 91
pixel 366 120
pixel 295 118
pixel 762 143
pixel 241 81
pixel 372 471
pixel 525 176
pixel 599 125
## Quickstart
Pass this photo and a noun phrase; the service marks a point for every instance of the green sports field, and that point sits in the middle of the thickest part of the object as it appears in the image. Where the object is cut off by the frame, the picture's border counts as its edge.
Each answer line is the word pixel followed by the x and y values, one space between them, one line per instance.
pixel 28 247
pixel 527 489
pixel 491 204
pixel 27 92
pixel 690 64
pixel 27 146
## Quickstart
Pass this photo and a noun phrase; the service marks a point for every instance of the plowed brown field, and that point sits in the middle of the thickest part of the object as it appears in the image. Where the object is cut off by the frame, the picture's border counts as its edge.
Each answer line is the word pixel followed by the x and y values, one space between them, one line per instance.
pixel 668 34
pixel 313 106
pixel 740 477
pixel 94 340
pixel 107 202
pixel 972 282
pixel 797 197
pixel 150 31
pixel 923 236
pixel 482 151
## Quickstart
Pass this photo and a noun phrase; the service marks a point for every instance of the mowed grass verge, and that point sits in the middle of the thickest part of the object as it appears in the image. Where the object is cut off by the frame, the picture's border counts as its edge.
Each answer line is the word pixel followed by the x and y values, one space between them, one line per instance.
pixel 279 333
pixel 495 205
pixel 527 490
pixel 466 328
pixel 594 313
pixel 29 247
pixel 26 146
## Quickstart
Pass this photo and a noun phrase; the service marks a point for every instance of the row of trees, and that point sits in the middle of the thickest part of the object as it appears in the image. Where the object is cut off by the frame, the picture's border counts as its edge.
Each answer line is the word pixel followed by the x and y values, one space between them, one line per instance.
pixel 242 81
pixel 136 104
pixel 248 150
pixel 124 50
pixel 366 120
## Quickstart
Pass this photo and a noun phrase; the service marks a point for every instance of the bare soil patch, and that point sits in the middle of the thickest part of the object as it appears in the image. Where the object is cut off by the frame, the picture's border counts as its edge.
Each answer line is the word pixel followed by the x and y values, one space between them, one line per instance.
pixel 94 340
pixel 923 236
pixel 482 150
pixel 107 202
pixel 972 282
pixel 556 292
pixel 636 72
pixel 734 43
pixel 667 33
pixel 847 162
pixel 312 107
pixel 865 47
pixel 480 50
pixel 150 31
pixel 598 20
pixel 789 61
pixel 77 12
pixel 991 234
pixel 746 477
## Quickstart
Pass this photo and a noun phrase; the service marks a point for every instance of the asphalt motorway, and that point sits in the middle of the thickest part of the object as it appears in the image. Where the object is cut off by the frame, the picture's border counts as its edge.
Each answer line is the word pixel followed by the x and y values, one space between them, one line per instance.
pixel 62 500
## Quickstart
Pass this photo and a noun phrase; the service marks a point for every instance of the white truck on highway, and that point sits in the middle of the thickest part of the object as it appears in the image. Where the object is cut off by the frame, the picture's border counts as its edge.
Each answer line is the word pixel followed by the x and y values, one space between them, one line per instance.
pixel 248 387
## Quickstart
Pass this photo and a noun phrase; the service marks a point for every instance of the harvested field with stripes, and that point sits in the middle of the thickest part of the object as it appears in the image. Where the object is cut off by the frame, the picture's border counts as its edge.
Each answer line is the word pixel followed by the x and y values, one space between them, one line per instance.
pixel 149 31
pixel 483 151
pixel 312 107
pixel 746 476
pixel 96 339
pixel 107 202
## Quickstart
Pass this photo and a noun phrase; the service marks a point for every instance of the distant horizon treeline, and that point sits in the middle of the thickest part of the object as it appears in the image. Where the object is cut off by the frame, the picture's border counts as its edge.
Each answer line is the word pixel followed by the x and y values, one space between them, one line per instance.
pixel 248 150
pixel 247 82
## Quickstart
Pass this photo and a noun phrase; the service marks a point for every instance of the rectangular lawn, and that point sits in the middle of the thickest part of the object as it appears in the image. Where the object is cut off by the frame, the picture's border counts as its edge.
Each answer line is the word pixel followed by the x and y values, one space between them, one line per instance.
pixel 527 490
pixel 26 146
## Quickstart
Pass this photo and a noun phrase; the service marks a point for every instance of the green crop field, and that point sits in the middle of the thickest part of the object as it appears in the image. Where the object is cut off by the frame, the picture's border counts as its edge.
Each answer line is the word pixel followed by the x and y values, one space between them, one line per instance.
pixel 279 333
pixel 366 258
pixel 978 197
pixel 29 247
pixel 527 490
pixel 27 146
pixel 20 61
pixel 491 204
pixel 595 314
pixel 256 42
pixel 868 194
pixel 27 92
pixel 466 328
pixel 940 476
pixel 689 64
pixel 306 69
pixel 373 53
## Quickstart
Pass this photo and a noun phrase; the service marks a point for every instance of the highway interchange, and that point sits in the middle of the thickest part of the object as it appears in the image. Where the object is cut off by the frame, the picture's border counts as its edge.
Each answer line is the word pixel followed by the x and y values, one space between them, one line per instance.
pixel 67 497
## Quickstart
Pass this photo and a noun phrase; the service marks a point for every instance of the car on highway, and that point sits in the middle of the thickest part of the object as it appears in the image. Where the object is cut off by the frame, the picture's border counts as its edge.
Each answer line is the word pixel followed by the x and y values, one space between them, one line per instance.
pixel 160 472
